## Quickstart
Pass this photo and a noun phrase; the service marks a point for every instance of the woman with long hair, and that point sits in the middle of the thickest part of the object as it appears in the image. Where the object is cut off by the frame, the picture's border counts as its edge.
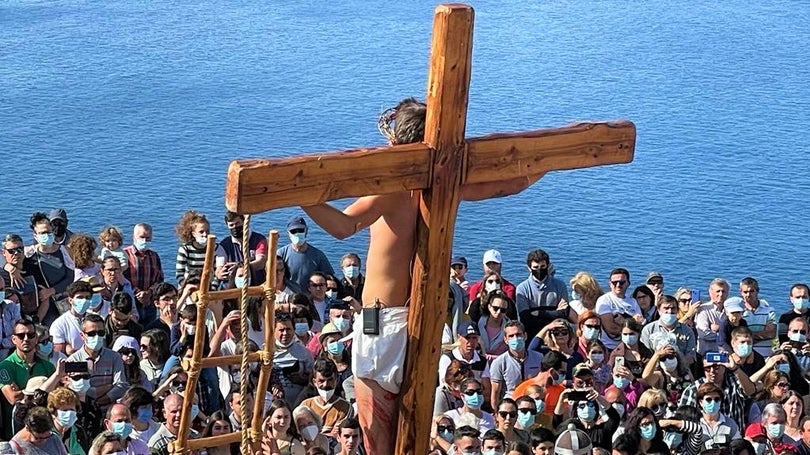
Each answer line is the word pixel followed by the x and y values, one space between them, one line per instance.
pixel 154 349
pixel 217 425
pixel 82 249
pixel 505 419
pixel 128 348
pixel 558 336
pixel 793 405
pixel 668 371
pixel 477 308
pixel 493 322
pixel 642 424
pixel 192 230
pixel 775 386
pixel 278 426
pixel 646 301
pixel 584 292
pixel 635 355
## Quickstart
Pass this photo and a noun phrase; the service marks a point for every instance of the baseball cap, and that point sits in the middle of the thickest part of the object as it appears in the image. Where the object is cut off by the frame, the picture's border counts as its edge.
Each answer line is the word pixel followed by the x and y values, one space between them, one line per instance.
pixel 582 369
pixel 492 256
pixel 468 328
pixel 34 384
pixel 653 275
pixel 754 430
pixel 58 214
pixel 458 260
pixel 296 222
pixel 94 282
pixel 734 305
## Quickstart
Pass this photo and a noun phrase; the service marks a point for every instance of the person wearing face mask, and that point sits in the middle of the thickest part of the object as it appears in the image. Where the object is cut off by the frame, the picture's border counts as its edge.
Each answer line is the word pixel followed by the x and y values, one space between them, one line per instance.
pixel 141 407
pixel 63 404
pixel 667 327
pixel 493 442
pixel 59 221
pixel 330 407
pixel 51 266
pixel 37 436
pixel 492 283
pixel 668 371
pixel 743 353
pixel 98 304
pixel 715 424
pixel 192 230
pixel 727 377
pixel 291 359
pixel 526 413
pixel 800 308
pixel 119 421
pixel 340 315
pixel 551 381
pixel 635 355
pixel 682 432
pixel 108 380
pixel 541 298
pixel 448 394
pixel 143 270
pixel 589 328
pixel 300 257
pixel 353 280
pixel 470 412
pixel 309 425
pixel 229 250
pixel 771 431
pixel 441 435
pixel 514 366
pixel 595 416
pixel 558 336
pixel 66 329
pixel 643 424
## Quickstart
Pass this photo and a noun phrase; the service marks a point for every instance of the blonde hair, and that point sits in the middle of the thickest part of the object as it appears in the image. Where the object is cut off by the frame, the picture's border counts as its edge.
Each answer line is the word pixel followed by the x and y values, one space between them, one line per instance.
pixel 589 289
pixel 111 234
pixel 552 342
pixel 185 227
pixel 651 397
pixel 82 249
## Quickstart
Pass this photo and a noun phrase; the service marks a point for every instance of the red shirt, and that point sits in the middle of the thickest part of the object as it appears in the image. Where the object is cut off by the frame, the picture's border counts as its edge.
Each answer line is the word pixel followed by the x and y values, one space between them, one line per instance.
pixel 507 288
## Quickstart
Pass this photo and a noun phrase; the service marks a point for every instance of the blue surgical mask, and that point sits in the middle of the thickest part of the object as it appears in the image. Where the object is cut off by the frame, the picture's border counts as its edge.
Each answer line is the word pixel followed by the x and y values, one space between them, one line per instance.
pixel 630 340
pixel 351 271
pixel 516 343
pixel 540 405
pixel 334 347
pixel 673 439
pixel 621 382
pixel 45 239
pixel 201 239
pixel 81 305
pixel 710 408
pixel 142 245
pixel 559 379
pixel 800 304
pixel 470 453
pixel 122 429
pixel 647 431
pixel 775 430
pixel 95 343
pixel 783 367
pixel 491 452
pixel 798 337
pixel 447 435
pixel 474 401
pixel 743 349
pixel 239 282
pixel 95 300
pixel 2 295
pixel 590 334
pixel 298 239
pixel 575 295
pixel 525 419
pixel 669 319
pixel 145 414
pixel 619 407
pixel 301 328
pixel 66 418
pixel 587 413
pixel 46 348
pixel 340 323
pixel 195 410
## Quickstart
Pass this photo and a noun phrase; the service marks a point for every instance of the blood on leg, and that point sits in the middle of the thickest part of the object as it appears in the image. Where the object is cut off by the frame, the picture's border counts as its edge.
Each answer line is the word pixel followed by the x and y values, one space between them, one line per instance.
pixel 377 409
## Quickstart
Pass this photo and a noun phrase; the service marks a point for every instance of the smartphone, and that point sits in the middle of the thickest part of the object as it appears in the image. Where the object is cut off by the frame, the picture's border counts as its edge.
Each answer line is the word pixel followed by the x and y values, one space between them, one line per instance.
pixel 695 295
pixel 619 362
pixel 294 368
pixel 76 367
pixel 798 345
pixel 577 395
pixel 717 357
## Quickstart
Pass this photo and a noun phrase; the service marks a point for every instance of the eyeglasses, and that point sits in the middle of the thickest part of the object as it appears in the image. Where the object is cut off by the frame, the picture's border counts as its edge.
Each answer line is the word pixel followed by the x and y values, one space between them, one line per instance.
pixel 712 399
pixel 144 347
pixel 94 333
pixel 591 326
pixel 531 411
pixel 618 283
pixel 26 335
pixel 505 414
pixel 445 428
pixel 498 309
pixel 783 385
pixel 802 331
pixel 297 231
pixel 471 392
pixel 39 437
pixel 13 251
pixel 654 281
pixel 684 300
pixel 317 285
pixel 584 405
pixel 560 333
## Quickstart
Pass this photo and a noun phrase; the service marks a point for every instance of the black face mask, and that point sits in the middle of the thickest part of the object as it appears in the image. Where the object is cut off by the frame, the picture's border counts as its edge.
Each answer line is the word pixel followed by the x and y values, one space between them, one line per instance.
pixel 237 232
pixel 540 274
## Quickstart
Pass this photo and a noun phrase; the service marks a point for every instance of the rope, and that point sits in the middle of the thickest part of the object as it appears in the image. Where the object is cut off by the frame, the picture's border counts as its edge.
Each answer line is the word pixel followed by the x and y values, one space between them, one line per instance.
pixel 245 367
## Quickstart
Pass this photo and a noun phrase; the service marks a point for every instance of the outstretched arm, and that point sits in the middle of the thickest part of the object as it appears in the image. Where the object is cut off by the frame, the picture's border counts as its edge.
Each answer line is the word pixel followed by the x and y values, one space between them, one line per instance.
pixel 481 191
pixel 359 215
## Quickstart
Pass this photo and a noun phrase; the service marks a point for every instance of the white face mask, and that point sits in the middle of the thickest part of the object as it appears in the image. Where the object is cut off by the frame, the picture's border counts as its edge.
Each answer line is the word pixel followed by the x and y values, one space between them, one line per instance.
pixel 309 432
pixel 191 330
pixel 492 286
pixel 298 239
pixel 326 394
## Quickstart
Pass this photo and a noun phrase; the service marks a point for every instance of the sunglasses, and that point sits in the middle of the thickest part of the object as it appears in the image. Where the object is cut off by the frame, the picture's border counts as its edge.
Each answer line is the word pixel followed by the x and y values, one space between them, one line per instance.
pixel 684 300
pixel 26 335
pixel 297 231
pixel 655 282
pixel 445 428
pixel 591 326
pixel 801 331
pixel 712 399
pixel 471 392
pixel 584 405
pixel 94 333
pixel 658 408
pixel 127 352
pixel 317 285
pixel 13 251
pixel 505 414
pixel 498 309
pixel 532 411
pixel 559 333
pixel 331 289
pixel 144 347
pixel 783 385
pixel 618 283
pixel 494 281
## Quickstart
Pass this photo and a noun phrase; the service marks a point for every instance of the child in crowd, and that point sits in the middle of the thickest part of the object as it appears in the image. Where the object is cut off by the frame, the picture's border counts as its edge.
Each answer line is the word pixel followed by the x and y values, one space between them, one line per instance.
pixel 112 240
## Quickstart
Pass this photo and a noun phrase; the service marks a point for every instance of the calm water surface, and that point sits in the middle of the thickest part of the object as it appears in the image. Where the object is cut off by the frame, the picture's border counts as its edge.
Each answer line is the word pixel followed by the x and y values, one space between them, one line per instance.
pixel 129 111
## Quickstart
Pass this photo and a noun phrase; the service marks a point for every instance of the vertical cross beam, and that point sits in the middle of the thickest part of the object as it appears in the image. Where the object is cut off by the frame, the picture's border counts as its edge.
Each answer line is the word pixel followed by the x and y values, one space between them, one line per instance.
pixel 448 88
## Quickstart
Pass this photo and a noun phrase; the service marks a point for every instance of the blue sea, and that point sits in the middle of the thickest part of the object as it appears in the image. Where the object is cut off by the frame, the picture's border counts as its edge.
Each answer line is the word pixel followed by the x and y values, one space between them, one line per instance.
pixel 130 111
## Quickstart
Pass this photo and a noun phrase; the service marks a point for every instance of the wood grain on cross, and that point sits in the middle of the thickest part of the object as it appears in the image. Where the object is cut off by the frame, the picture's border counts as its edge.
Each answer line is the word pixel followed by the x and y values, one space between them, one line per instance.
pixel 438 168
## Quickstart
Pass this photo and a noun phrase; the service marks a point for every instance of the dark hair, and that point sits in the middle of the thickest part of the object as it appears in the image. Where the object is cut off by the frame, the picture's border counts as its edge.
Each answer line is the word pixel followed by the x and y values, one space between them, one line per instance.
pixel 552 359
pixel 749 281
pixel 633 325
pixel 92 318
pixel 275 406
pixel 626 442
pixel 160 341
pixel 518 446
pixel 79 286
pixel 633 422
pixel 525 399
pixel 511 311
pixel 39 420
pixel 515 323
pixel 12 238
pixel 25 323
pixel 409 122
pixel 644 290
pixel 708 388
pixel 121 301
pixel 457 372
pixel 233 216
pixel 738 446
pixel 800 285
pixel 465 431
pixel 189 313
pixel 687 412
pixel 325 367
pixel 538 256
pixel 37 218
pixel 540 435
pixel 254 313
pixel 620 271
pixel 303 300
pixel 494 435
pixel 350 423
pixel 667 299
pixel 300 312
pixel 160 289
pixel 136 397
pixel 212 419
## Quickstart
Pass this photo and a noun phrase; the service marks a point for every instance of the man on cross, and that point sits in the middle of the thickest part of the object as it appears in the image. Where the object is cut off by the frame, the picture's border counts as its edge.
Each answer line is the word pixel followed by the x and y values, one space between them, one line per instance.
pixel 392 220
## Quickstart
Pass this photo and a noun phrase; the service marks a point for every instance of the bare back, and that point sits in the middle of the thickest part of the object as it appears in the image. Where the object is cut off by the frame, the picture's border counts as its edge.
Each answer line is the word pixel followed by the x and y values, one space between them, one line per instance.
pixel 391 249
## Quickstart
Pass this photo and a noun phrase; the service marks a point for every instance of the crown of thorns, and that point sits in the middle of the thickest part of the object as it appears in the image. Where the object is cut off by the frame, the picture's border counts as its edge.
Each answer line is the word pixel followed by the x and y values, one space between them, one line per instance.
pixel 385 124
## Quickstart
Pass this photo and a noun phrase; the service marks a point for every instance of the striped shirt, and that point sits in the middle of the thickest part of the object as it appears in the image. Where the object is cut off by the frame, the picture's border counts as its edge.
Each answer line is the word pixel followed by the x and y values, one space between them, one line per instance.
pixel 189 258
pixel 757 319
pixel 144 269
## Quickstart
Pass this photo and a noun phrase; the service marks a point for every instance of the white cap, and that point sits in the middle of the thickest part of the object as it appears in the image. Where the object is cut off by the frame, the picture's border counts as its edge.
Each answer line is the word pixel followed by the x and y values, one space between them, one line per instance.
pixel 492 256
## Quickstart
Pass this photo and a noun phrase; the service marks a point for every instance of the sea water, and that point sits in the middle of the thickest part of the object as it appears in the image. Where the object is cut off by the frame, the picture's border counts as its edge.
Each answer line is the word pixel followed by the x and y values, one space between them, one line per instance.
pixel 123 112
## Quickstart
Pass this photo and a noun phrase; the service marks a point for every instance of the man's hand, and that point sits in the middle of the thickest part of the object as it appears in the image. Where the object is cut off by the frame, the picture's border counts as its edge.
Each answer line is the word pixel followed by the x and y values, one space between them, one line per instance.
pixel 639 318
pixel 17 280
pixel 45 293
pixel 353 303
pixel 563 305
pixel 664 351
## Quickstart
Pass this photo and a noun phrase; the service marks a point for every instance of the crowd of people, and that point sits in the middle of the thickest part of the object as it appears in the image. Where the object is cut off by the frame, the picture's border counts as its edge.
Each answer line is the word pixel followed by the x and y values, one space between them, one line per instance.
pixel 93 335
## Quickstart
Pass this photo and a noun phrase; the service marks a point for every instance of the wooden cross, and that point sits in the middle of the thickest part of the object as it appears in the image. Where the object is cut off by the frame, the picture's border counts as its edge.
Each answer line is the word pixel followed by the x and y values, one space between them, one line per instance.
pixel 438 167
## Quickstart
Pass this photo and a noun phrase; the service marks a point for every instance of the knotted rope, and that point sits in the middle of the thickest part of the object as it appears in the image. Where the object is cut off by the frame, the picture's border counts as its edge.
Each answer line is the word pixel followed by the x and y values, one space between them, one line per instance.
pixel 245 366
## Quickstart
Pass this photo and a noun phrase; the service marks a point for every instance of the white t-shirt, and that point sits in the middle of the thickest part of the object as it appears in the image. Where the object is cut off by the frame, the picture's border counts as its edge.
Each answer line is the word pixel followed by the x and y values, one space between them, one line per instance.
pixel 609 303
pixel 67 328
pixel 486 422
